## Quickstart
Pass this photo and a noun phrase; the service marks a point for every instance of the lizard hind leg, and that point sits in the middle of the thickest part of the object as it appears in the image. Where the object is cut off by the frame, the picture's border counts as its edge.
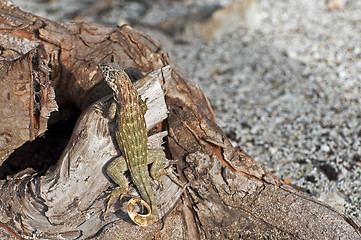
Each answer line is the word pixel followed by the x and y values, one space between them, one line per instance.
pixel 157 157
pixel 115 170
pixel 140 219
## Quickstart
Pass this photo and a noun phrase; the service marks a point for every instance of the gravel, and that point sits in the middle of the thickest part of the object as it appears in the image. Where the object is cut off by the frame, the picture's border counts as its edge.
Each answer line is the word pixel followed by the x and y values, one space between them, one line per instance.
pixel 287 90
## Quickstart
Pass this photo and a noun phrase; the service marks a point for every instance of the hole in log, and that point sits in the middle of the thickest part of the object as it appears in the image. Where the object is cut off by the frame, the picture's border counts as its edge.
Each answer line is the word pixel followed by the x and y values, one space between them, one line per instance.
pixel 45 150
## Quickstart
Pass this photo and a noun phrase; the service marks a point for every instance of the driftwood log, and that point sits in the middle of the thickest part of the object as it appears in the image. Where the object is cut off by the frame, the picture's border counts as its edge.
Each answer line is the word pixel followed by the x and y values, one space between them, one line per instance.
pixel 229 195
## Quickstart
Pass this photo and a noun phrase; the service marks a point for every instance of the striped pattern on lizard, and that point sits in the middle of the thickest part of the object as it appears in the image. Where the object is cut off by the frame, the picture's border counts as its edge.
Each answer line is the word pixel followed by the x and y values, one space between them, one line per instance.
pixel 128 110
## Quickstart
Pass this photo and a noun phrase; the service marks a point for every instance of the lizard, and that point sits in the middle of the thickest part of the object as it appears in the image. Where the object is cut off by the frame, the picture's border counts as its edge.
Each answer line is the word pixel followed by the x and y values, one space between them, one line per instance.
pixel 128 111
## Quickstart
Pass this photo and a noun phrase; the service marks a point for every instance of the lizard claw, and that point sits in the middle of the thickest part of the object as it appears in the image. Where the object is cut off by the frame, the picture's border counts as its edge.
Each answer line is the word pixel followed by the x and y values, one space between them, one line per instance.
pixel 161 184
pixel 98 108
pixel 116 193
pixel 172 177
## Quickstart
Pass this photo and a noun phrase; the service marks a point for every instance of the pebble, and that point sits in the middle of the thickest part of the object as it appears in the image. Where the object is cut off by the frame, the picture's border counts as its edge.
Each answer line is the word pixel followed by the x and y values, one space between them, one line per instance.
pixel 325 148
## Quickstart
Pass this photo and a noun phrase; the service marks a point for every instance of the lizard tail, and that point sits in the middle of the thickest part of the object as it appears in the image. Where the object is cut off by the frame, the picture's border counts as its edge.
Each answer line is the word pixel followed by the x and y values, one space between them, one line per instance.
pixel 140 219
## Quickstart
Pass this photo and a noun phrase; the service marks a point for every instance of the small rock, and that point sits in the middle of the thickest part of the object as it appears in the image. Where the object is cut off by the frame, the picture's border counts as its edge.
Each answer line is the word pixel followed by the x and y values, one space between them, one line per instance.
pixel 336 4
pixel 334 200
pixel 311 179
pixel 288 180
pixel 213 22
pixel 329 171
pixel 273 150
pixel 325 148
pixel 121 21
pixel 249 145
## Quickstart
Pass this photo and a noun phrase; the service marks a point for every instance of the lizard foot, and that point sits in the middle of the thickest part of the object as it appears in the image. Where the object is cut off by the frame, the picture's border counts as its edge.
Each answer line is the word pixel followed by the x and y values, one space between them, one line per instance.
pixel 113 195
pixel 174 178
pixel 99 108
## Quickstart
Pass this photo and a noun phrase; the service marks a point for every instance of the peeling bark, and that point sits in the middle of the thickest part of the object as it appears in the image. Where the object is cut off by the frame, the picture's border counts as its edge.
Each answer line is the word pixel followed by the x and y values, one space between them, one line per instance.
pixel 26 92
pixel 229 195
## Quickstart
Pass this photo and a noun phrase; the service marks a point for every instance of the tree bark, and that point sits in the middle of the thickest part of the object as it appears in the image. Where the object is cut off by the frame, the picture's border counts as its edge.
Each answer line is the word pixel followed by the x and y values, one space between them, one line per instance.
pixel 229 195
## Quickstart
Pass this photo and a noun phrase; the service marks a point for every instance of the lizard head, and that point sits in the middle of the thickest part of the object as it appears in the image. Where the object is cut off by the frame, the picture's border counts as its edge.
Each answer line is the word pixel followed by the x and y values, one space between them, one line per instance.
pixel 111 73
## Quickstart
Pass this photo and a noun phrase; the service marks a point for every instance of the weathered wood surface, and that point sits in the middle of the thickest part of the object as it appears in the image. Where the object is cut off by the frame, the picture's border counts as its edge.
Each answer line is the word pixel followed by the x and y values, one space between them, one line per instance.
pixel 229 197
pixel 69 196
pixel 25 87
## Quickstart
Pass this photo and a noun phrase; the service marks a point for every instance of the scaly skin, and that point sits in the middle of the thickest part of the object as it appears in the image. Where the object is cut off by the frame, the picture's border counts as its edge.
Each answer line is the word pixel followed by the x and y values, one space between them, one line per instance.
pixel 132 139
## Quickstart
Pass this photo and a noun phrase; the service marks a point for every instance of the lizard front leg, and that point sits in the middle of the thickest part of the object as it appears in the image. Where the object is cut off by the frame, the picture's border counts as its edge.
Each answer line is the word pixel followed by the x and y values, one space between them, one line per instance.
pixel 115 170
